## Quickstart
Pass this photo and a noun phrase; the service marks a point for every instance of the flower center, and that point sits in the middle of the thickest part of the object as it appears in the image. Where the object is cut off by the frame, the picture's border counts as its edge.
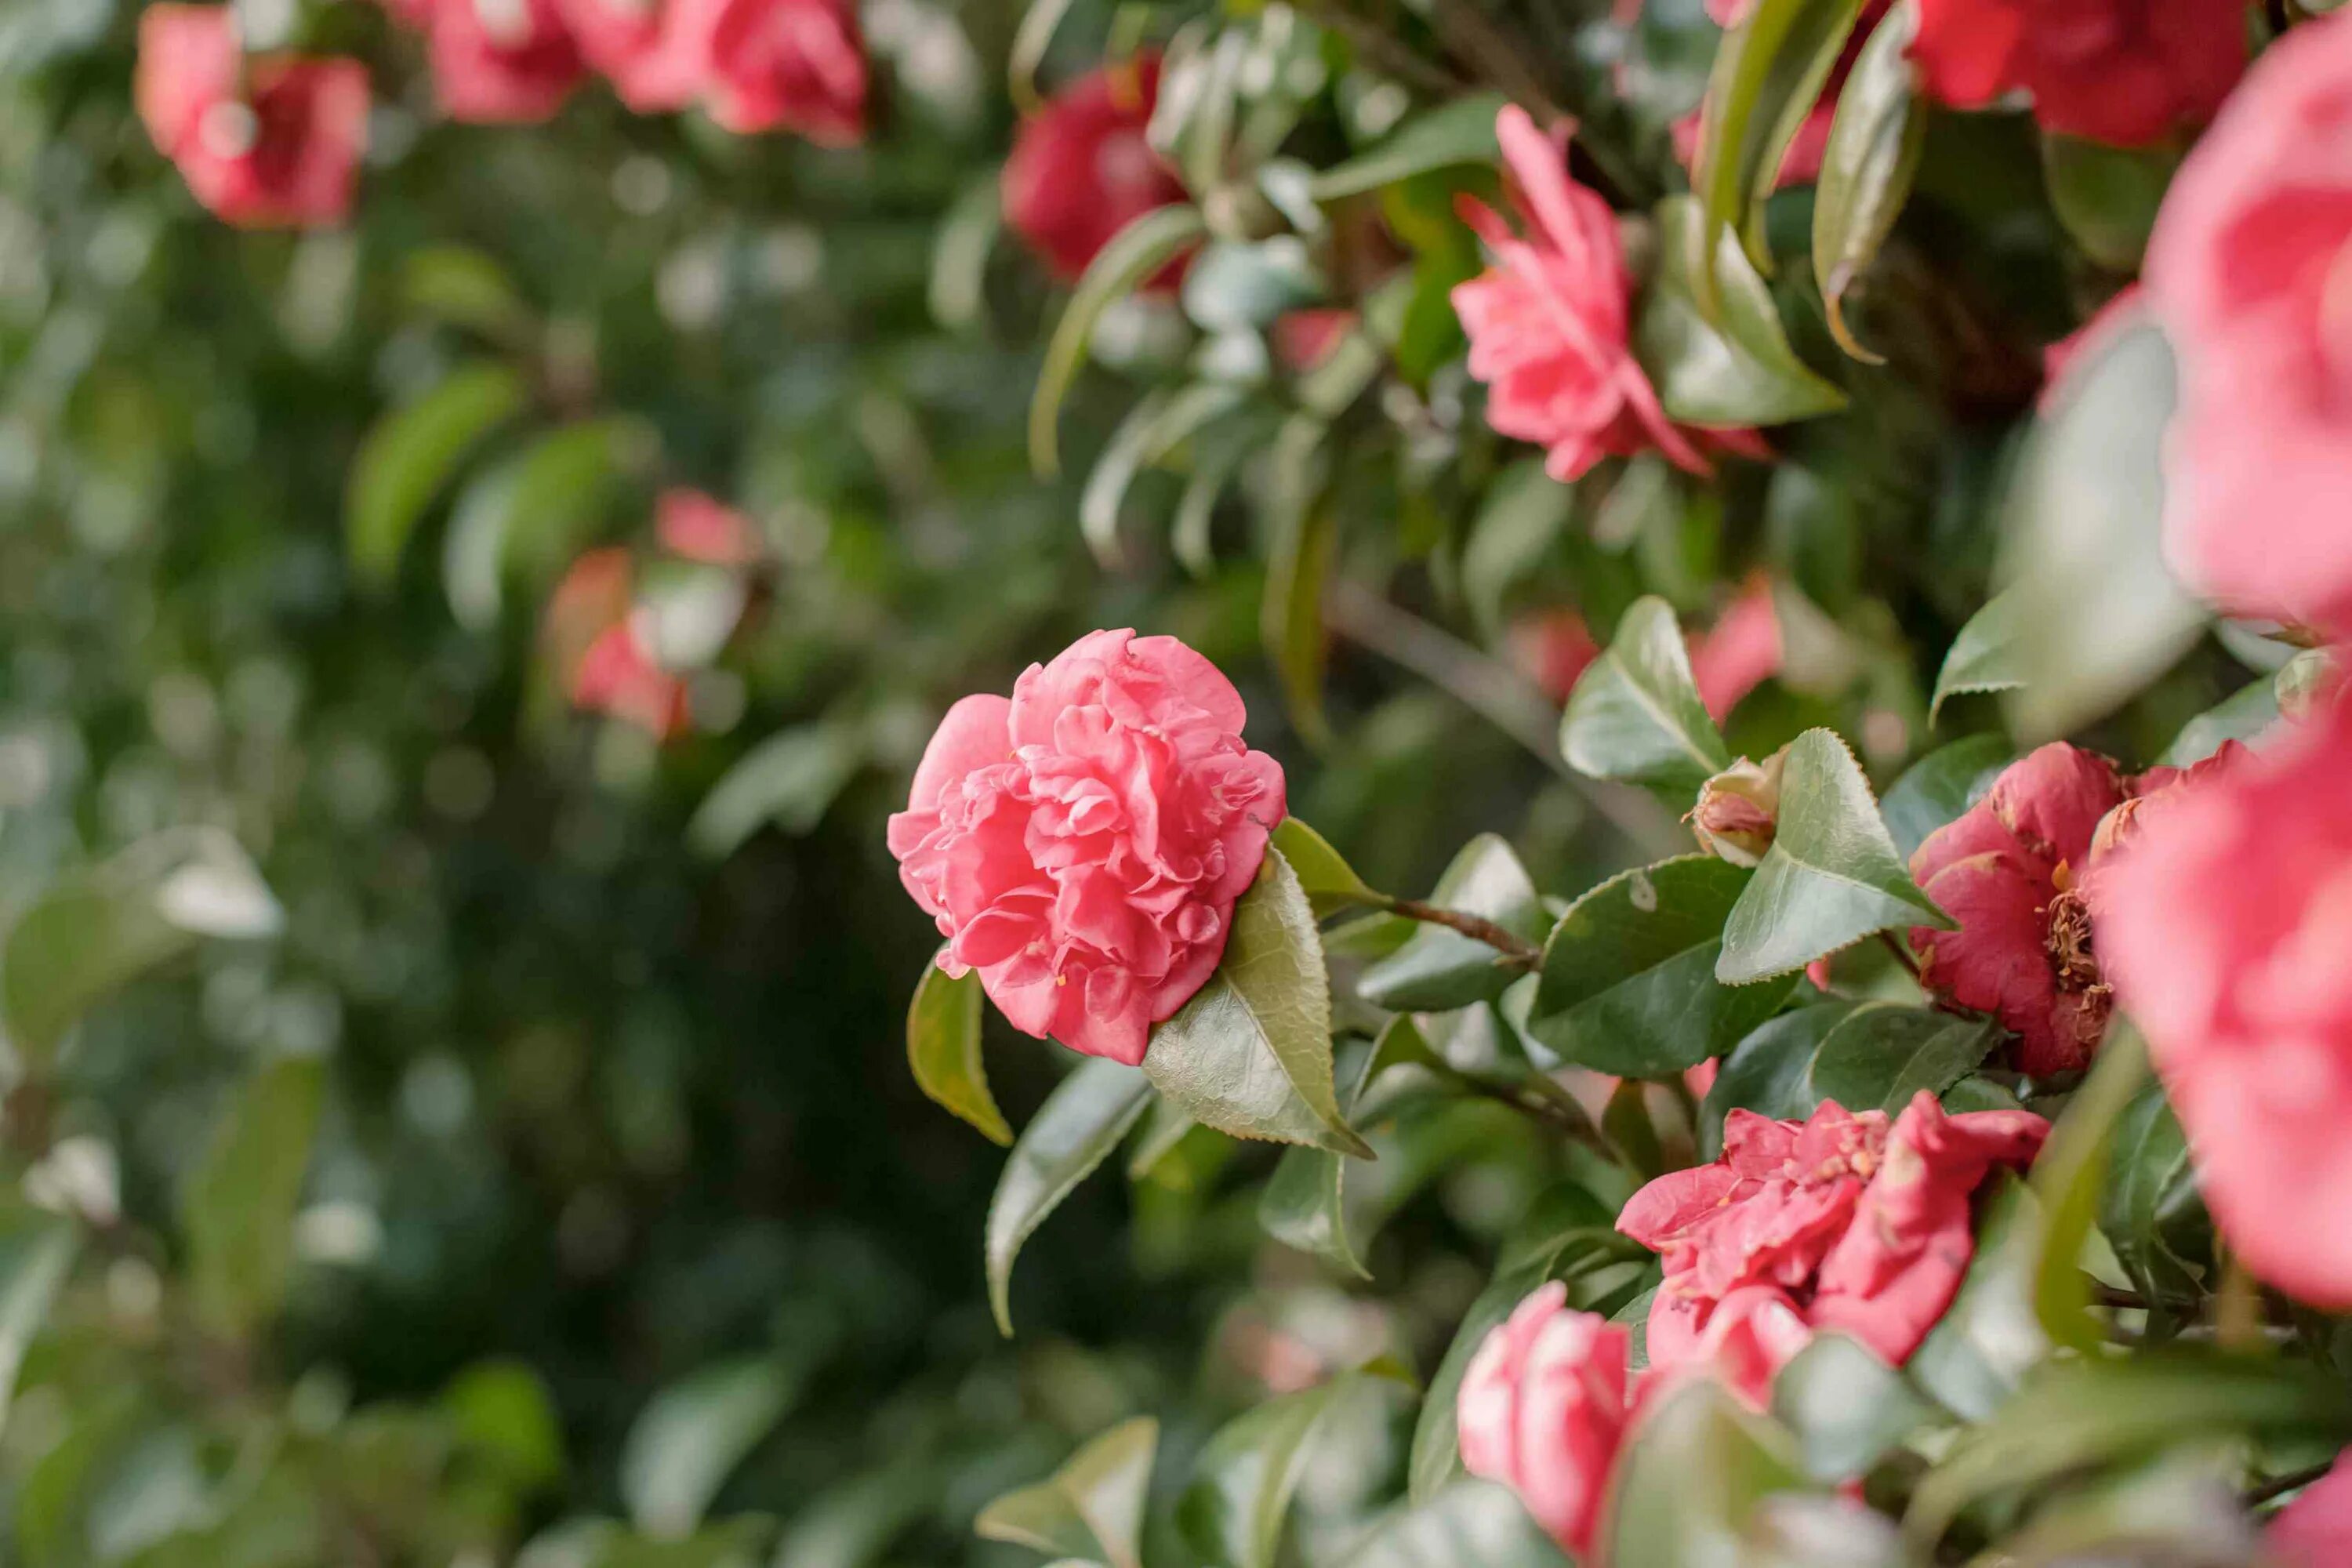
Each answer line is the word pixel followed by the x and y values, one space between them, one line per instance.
pixel 2069 936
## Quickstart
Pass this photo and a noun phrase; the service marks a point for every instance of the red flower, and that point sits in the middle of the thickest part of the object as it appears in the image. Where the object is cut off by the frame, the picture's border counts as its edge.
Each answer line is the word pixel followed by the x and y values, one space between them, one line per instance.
pixel 788 65
pixel 2127 72
pixel 1836 1221
pixel 653 62
pixel 1081 170
pixel 701 528
pixel 282 150
pixel 497 61
pixel 1304 339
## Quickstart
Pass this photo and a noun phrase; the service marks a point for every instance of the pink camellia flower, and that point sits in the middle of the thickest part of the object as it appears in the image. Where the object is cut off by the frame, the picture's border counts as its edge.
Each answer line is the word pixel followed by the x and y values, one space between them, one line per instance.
pixel 784 65
pixel 655 62
pixel 1081 170
pixel 2315 1530
pixel 281 149
pixel 1083 845
pixel 700 527
pixel 2125 72
pixel 1834 1222
pixel 1544 1408
pixel 2245 273
pixel 595 648
pixel 1548 320
pixel 497 61
pixel 2224 917
pixel 1553 649
pixel 1739 653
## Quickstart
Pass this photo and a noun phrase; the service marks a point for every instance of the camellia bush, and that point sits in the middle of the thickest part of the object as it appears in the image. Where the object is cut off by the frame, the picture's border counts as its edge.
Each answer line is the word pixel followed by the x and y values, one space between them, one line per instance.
pixel 1763 974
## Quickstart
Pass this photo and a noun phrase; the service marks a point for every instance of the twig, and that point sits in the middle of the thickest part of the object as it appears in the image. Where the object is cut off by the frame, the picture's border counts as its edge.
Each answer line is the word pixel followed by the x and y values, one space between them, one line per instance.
pixel 1517 951
pixel 1901 954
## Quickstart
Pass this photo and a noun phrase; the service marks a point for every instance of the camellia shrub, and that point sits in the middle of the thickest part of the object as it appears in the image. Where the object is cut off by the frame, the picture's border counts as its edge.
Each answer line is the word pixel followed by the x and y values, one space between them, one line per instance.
pixel 1762 976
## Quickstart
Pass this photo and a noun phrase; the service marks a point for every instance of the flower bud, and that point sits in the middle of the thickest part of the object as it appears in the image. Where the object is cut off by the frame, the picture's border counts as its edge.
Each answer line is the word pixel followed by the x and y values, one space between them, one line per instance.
pixel 1739 808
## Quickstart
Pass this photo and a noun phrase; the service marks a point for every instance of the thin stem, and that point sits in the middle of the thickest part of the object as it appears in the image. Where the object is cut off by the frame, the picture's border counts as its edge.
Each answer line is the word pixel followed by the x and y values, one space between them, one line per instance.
pixel 2279 1485
pixel 1517 951
pixel 1902 952
pixel 2237 1309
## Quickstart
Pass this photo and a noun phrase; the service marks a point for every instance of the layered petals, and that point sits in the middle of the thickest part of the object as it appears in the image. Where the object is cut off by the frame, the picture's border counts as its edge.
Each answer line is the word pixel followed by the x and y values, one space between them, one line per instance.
pixel 1543 1409
pixel 2124 72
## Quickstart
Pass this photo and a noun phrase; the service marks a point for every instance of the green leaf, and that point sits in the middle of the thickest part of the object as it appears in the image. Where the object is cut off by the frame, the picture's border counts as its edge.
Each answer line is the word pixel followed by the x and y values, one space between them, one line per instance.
pixel 1330 882
pixel 1165 1129
pixel 2150 1209
pixel 95 929
pixel 1636 715
pixel 1244 286
pixel 1233 1509
pixel 2069 1177
pixel 1771 1072
pixel 1848 1408
pixel 944 1049
pixel 2242 715
pixel 1628 983
pixel 410 455
pixel 966 238
pixel 1080 1124
pixel 1134 254
pixel 791 779
pixel 1305 540
pixel 501 1412
pixel 1461 131
pixel 1440 968
pixel 530 513
pixel 1519 520
pixel 1469 1524
pixel 1987 1338
pixel 1690 1478
pixel 1251 1053
pixel 36 1252
pixel 1091 1508
pixel 1731 366
pixel 239 1202
pixel 1882 1056
pixel 1154 427
pixel 1876 135
pixel 1988 654
pixel 2106 197
pixel 1937 788
pixel 2097 614
pixel 690 1436
pixel 462 286
pixel 1304 1203
pixel 1831 878
pixel 1768 73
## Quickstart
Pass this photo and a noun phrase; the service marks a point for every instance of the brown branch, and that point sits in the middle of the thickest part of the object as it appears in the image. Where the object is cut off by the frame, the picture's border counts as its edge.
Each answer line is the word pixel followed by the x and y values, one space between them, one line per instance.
pixel 1517 951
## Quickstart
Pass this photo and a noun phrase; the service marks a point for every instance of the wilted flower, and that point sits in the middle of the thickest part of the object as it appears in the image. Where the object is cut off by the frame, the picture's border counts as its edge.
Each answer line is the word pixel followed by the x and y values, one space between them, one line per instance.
pixel 1083 845
pixel 280 149
pixel 2127 72
pixel 1081 169
pixel 1543 1409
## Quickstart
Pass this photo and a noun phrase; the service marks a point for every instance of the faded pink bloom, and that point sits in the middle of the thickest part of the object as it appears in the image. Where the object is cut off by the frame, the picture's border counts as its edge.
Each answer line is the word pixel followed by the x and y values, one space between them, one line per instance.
pixel 2125 72
pixel 1739 653
pixel 1304 339
pixel 647 48
pixel 784 65
pixel 1081 170
pixel 1083 845
pixel 596 652
pixel 2315 1530
pixel 1549 320
pixel 1544 1408
pixel 700 527
pixel 1553 649
pixel 1833 1223
pixel 2225 918
pixel 496 61
pixel 2244 270
pixel 280 149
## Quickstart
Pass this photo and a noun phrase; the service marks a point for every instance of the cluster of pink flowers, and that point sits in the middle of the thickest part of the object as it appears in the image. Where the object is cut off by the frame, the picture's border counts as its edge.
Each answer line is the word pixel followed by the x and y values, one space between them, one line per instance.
pixel 275 141
pixel 1840 1223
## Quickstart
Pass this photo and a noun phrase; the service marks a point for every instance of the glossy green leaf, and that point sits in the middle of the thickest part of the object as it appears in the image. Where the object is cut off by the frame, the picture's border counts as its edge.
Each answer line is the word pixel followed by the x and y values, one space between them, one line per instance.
pixel 2097 613
pixel 238 1205
pixel 413 453
pixel 1461 131
pixel 1469 1524
pixel 944 1049
pixel 1305 540
pixel 686 1442
pixel 1134 254
pixel 1233 1508
pixel 2150 1209
pixel 1848 1408
pixel 36 1252
pixel 1091 1508
pixel 1876 137
pixel 1691 1476
pixel 2242 715
pixel 1628 983
pixel 1768 73
pixel 791 779
pixel 1636 714
pixel 1771 1072
pixel 1079 1124
pixel 1304 1203
pixel 2107 197
pixel 1441 968
pixel 1882 1056
pixel 1940 786
pixel 1987 655
pixel 531 513
pixel 1251 1053
pixel 1329 881
pixel 1732 367
pixel 2068 1179
pixel 1832 876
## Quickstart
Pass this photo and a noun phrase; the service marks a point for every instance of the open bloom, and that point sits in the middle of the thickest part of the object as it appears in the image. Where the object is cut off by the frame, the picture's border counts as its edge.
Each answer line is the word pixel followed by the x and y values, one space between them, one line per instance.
pixel 1543 1409
pixel 496 61
pixel 597 648
pixel 1081 170
pixel 2245 271
pixel 280 151
pixel 784 65
pixel 1838 1222
pixel 648 49
pixel 1083 845
pixel 2315 1530
pixel 2125 72
pixel 2225 918
pixel 1548 320
pixel 700 527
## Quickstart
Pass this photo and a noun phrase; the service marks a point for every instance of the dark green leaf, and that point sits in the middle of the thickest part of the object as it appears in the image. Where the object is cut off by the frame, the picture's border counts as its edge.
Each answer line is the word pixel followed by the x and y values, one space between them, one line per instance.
pixel 531 514
pixel 686 1442
pixel 1771 1072
pixel 791 779
pixel 1459 132
pixel 1628 983
pixel 1080 1124
pixel 1134 254
pixel 1876 136
pixel 2107 196
pixel 1518 523
pixel 1251 1053
pixel 1988 655
pixel 1882 1055
pixel 1091 1508
pixel 1153 428
pixel 1768 73
pixel 1692 1474
pixel 1848 1408
pixel 1939 786
pixel 1440 968
pixel 1304 1204
pixel 1832 876
pixel 944 1049
pixel 1636 714
pixel 2150 1209
pixel 238 1207
pixel 36 1251
pixel 410 455
pixel 1731 367
pixel 1232 1510
pixel 2069 1180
